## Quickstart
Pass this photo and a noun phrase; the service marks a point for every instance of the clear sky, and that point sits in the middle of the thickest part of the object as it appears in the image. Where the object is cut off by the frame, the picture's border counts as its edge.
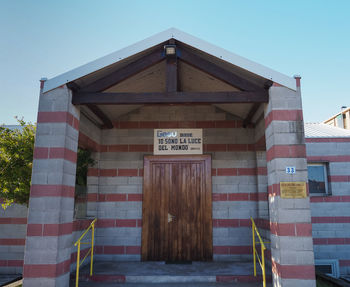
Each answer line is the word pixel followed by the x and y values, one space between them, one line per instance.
pixel 46 38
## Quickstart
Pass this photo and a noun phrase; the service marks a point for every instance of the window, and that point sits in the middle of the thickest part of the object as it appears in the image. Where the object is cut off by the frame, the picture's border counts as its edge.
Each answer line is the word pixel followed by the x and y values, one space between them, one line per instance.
pixel 318 183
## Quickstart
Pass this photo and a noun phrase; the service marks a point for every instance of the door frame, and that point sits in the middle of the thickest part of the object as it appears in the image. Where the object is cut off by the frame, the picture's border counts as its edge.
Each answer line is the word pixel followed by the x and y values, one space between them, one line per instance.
pixel 148 160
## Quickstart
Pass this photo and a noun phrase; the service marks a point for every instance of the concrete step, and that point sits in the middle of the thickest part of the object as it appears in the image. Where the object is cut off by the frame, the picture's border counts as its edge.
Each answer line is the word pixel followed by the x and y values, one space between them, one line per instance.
pixel 164 274
pixel 99 284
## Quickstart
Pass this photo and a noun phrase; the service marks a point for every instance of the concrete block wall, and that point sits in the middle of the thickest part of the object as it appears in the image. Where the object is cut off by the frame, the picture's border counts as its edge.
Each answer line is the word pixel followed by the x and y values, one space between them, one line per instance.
pixel 290 219
pixel 331 213
pixel 117 178
pixel 51 206
pixel 13 229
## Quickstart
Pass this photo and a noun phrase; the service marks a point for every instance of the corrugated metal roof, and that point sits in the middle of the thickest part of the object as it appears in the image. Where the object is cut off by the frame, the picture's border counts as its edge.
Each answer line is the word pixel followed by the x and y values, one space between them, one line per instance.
pixel 319 130
pixel 188 39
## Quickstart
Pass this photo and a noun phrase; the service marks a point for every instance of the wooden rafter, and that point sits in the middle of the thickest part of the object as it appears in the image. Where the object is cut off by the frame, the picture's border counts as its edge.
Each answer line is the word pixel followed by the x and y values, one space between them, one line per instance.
pixel 125 72
pixel 251 114
pixel 171 74
pixel 101 115
pixel 216 71
pixel 169 98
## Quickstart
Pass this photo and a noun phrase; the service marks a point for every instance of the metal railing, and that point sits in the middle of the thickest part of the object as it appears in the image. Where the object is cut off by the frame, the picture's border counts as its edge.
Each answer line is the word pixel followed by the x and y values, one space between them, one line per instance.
pixel 256 254
pixel 91 250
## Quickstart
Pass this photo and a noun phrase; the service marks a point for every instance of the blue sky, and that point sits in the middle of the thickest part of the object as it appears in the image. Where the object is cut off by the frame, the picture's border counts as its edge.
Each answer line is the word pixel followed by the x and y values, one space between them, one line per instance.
pixel 46 38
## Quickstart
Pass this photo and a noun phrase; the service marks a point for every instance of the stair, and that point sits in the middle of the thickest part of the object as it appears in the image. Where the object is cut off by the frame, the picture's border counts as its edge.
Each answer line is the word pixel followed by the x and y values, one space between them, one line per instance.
pixel 161 274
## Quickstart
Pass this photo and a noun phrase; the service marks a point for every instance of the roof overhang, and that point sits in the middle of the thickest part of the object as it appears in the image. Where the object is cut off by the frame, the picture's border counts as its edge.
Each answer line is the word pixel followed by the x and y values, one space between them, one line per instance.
pixel 159 38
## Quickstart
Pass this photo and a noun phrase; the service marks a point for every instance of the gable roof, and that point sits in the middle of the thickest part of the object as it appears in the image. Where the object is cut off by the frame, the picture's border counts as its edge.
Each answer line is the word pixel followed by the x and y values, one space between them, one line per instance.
pixel 154 40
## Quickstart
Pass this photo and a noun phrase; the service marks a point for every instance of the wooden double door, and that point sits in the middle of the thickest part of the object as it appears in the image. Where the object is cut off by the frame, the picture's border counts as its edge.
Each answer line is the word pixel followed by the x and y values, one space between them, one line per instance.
pixel 177 208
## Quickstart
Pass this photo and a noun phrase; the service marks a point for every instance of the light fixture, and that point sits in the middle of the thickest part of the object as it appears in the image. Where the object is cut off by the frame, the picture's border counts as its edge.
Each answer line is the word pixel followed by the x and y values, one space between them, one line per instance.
pixel 170 50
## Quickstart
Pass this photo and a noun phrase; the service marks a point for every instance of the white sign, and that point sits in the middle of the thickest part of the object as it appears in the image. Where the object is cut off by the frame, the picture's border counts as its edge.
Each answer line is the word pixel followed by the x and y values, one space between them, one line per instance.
pixel 290 169
pixel 178 141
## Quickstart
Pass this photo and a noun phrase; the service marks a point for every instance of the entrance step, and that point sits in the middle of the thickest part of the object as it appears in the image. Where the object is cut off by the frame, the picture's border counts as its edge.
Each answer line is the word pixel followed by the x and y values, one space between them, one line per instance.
pixel 144 273
pixel 95 284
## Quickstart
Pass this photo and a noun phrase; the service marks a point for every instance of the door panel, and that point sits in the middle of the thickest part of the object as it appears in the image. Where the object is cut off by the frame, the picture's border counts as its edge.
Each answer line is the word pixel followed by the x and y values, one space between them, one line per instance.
pixel 176 212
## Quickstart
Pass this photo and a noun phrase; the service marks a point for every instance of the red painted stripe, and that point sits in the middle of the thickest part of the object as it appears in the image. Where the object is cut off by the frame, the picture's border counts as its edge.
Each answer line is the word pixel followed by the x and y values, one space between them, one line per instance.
pixel 133 249
pixel 341 198
pixel 262 170
pixel 274 190
pixel 85 142
pixel 330 219
pixel 231 250
pixel 41 153
pixel 332 241
pixel 329 158
pixel 108 249
pixel 344 263
pixel 260 145
pixel 339 178
pixel 127 172
pixel 112 197
pixel 49 229
pixel 239 197
pixel 81 224
pixel 327 140
pixel 54 153
pixel 12 241
pixel 134 197
pixel 291 229
pixel 11 263
pixel 46 270
pixel 58 117
pixel 231 223
pixel 58 152
pixel 283 115
pixel 13 220
pixel 226 171
pixel 108 172
pixel 293 271
pixel 38 190
pixel 83 252
pixel 118 223
pixel 262 223
pixel 286 151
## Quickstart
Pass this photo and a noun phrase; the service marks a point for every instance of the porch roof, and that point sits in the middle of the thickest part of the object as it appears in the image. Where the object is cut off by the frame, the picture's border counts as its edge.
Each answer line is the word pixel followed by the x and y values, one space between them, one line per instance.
pixel 103 65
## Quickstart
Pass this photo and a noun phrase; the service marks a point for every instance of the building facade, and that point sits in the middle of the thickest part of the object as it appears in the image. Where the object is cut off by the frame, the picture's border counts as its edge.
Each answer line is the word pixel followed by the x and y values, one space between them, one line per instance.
pixel 175 204
pixel 340 120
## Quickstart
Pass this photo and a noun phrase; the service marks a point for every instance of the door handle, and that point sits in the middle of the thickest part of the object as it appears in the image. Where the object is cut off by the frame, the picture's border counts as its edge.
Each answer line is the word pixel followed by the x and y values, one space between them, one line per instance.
pixel 170 217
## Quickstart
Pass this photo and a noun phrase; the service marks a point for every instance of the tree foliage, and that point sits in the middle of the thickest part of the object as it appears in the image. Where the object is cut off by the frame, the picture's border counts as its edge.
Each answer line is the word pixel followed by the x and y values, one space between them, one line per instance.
pixel 83 162
pixel 16 158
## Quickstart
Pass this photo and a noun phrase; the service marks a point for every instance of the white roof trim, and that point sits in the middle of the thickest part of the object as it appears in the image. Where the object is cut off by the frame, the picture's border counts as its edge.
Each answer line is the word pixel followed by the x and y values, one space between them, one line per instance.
pixel 213 50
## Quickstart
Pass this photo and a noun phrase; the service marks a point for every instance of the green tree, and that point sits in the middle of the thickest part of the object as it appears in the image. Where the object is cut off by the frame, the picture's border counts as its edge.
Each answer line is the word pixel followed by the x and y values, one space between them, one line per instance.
pixel 16 158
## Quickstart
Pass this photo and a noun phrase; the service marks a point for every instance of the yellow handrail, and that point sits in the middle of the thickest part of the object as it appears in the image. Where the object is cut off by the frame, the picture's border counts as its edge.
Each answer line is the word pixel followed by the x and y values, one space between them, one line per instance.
pixel 91 250
pixel 255 253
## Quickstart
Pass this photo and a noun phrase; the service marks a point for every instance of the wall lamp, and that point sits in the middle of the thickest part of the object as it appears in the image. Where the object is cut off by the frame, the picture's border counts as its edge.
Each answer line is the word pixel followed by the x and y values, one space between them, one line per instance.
pixel 170 50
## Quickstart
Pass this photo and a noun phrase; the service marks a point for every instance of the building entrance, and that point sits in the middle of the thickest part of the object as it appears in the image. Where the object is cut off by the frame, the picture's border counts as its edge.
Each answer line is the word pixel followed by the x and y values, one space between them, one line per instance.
pixel 177 208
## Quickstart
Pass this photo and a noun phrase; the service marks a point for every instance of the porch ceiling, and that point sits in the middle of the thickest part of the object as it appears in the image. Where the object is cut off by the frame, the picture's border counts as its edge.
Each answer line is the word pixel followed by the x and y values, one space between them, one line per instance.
pixel 150 77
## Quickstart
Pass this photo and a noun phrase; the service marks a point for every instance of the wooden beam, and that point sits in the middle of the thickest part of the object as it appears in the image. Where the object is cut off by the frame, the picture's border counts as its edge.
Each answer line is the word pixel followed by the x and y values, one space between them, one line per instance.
pixel 125 72
pixel 101 115
pixel 171 74
pixel 216 71
pixel 251 114
pixel 169 98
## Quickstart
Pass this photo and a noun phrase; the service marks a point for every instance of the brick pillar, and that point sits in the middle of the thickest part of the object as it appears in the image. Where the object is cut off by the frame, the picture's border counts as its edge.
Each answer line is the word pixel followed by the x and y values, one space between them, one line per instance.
pixel 51 204
pixel 290 219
